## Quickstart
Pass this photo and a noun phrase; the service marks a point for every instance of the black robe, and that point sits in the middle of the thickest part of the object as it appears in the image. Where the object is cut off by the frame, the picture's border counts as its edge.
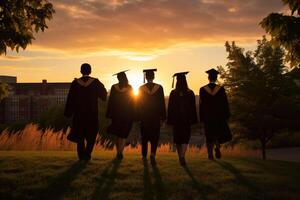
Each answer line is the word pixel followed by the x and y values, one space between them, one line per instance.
pixel 151 109
pixel 214 113
pixel 120 110
pixel 182 114
pixel 82 104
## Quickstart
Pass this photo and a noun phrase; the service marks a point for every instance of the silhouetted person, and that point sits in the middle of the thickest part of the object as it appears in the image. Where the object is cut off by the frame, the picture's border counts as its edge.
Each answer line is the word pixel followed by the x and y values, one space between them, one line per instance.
pixel 151 112
pixel 120 110
pixel 82 104
pixel 214 113
pixel 181 114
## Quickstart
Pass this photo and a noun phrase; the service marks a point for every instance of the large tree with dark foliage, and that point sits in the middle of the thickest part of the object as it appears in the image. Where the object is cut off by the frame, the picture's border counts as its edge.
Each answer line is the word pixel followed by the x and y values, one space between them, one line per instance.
pixel 20 19
pixel 285 30
pixel 261 91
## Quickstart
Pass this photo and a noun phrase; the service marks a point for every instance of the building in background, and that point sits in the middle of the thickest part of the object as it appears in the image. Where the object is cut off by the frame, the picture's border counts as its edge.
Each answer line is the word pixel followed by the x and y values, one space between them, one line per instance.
pixel 27 101
pixel 8 79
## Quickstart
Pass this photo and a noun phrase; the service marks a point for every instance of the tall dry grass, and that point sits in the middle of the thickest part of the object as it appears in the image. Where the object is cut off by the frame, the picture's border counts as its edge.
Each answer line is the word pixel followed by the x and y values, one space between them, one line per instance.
pixel 33 139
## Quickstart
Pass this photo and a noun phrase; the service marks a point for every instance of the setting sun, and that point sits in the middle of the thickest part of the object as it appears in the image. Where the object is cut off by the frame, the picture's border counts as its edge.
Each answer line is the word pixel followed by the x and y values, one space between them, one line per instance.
pixel 135 91
pixel 135 80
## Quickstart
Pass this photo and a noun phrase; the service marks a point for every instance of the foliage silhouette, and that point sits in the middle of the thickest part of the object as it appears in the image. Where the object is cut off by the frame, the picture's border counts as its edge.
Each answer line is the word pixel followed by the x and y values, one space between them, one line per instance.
pixel 20 19
pixel 285 30
pixel 263 96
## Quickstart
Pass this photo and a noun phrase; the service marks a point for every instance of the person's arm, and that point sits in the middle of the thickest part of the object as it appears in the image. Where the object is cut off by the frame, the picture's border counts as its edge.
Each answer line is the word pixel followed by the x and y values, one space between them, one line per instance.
pixel 194 118
pixel 69 107
pixel 201 110
pixel 225 104
pixel 102 93
pixel 110 103
pixel 162 104
pixel 171 107
pixel 131 96
pixel 131 103
pixel 138 104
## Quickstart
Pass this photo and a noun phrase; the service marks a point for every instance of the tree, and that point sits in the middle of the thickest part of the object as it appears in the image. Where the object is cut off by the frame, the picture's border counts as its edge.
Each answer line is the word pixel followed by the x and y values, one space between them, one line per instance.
pixel 3 90
pixel 20 19
pixel 259 91
pixel 285 30
pixel 294 5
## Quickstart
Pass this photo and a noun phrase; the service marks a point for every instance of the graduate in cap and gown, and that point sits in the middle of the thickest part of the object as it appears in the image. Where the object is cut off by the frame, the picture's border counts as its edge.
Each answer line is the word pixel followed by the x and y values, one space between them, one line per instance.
pixel 181 114
pixel 82 105
pixel 214 114
pixel 120 110
pixel 151 113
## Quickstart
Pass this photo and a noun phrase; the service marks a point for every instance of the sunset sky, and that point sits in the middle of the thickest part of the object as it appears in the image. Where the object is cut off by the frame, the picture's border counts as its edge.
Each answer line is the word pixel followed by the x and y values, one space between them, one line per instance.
pixel 115 35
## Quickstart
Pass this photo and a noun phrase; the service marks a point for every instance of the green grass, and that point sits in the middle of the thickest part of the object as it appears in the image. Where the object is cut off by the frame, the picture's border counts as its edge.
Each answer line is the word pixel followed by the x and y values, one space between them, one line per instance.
pixel 58 175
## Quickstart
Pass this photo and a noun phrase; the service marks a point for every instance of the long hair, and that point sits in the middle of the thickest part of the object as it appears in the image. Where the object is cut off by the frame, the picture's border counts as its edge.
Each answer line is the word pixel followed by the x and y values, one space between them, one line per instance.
pixel 123 81
pixel 181 84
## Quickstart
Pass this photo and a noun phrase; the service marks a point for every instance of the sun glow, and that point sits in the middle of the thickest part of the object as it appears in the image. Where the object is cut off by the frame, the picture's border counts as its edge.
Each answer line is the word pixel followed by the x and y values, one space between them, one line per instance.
pixel 135 91
pixel 135 86
pixel 135 81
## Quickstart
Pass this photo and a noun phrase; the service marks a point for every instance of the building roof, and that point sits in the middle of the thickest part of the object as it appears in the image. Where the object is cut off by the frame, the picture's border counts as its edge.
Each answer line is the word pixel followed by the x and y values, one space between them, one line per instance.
pixel 8 79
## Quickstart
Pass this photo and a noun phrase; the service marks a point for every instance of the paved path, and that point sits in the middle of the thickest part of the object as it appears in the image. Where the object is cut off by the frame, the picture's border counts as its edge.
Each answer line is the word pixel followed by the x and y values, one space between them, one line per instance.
pixel 286 154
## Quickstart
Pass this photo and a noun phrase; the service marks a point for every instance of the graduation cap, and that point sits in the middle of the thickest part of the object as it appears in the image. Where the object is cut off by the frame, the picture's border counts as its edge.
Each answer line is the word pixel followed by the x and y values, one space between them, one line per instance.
pixel 178 75
pixel 119 73
pixel 212 71
pixel 147 71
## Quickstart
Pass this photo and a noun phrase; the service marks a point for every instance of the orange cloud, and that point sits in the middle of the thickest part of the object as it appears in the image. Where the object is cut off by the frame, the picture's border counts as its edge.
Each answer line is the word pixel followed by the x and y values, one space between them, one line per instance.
pixel 12 58
pixel 143 25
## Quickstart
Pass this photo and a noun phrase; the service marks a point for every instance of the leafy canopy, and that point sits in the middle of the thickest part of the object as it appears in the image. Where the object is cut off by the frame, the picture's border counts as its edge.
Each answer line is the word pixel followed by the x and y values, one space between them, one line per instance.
pixel 294 5
pixel 20 19
pixel 261 90
pixel 285 30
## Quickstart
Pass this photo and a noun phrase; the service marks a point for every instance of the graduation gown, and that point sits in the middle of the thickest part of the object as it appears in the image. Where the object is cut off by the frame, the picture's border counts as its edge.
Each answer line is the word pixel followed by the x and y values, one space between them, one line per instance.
pixel 151 109
pixel 82 104
pixel 120 110
pixel 214 113
pixel 182 114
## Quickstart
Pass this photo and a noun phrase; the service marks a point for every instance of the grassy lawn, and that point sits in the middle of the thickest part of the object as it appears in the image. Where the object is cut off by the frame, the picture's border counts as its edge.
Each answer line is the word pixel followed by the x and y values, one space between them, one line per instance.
pixel 58 175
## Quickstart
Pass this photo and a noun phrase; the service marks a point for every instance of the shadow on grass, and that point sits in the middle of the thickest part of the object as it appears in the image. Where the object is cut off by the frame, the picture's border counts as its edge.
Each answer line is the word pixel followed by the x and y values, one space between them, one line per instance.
pixel 241 179
pixel 148 192
pixel 158 184
pixel 278 167
pixel 203 189
pixel 60 185
pixel 106 181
